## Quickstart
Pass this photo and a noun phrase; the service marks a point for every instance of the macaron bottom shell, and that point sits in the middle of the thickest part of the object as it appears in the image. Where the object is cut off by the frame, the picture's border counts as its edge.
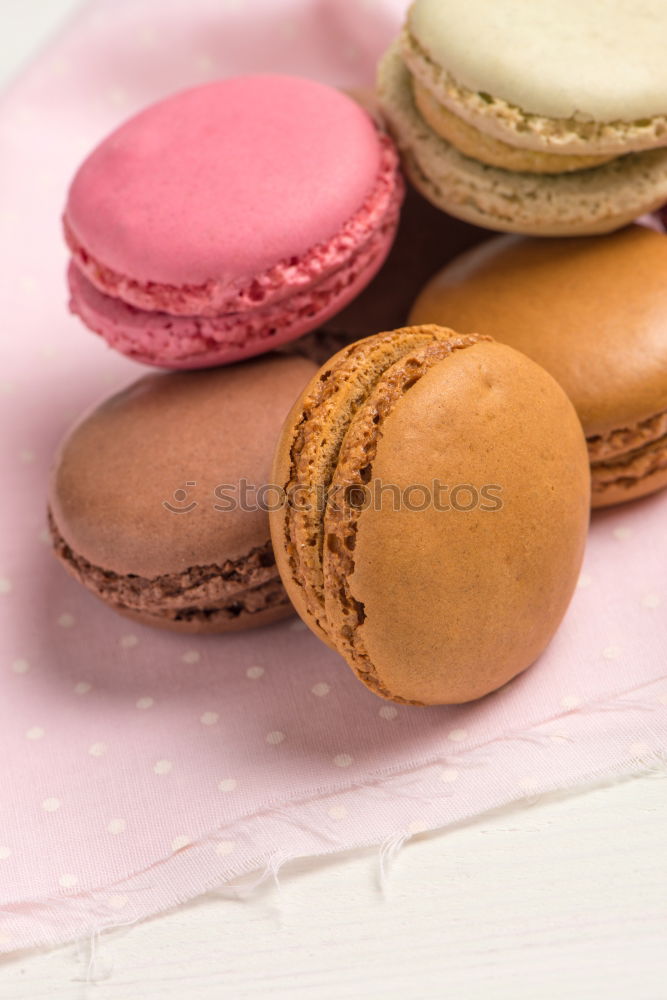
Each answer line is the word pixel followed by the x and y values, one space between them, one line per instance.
pixel 201 599
pixel 183 342
pixel 432 605
pixel 584 202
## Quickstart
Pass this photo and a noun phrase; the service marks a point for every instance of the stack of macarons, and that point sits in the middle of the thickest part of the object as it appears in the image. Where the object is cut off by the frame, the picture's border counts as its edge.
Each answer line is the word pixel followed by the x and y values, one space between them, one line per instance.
pixel 544 118
pixel 409 511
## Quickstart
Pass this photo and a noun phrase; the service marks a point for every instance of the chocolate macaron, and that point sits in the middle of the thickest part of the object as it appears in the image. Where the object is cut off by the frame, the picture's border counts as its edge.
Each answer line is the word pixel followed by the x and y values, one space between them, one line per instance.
pixel 153 501
pixel 593 312
pixel 431 533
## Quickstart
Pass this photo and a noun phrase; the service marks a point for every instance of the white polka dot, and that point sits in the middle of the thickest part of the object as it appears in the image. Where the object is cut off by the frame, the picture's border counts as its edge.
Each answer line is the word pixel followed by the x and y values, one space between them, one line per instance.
pixel 254 673
pixel 611 652
pixel 27 456
pixel 584 581
pixel 59 66
pixel 117 901
pixel 415 826
pixel 651 600
pixel 117 826
pixel 639 749
pixel 204 63
pixel 117 95
pixel 68 881
pixel 5 852
pixel 570 701
pixel 35 733
pixel 128 641
pixel 227 785
pixel 178 843
pixel 97 749
pixel 225 847
pixel 192 656
pixel 275 737
pixel 144 703
pixel 162 766
pixel 82 687
pixel 20 666
pixel 343 759
pixel 66 620
pixel 321 689
pixel 209 718
pixel 448 774
pixel 337 812
pixel 51 805
pixel 5 585
pixel 388 712
pixel 457 735
pixel 622 533
pixel 529 783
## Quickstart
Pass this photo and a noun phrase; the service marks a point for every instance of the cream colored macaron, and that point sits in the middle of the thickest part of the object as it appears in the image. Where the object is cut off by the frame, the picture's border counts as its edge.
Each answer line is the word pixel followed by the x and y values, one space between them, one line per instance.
pixel 511 116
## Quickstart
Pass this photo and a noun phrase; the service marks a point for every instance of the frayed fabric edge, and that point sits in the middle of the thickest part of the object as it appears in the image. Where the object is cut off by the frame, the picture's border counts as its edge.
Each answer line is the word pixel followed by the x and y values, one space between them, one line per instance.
pixel 567 753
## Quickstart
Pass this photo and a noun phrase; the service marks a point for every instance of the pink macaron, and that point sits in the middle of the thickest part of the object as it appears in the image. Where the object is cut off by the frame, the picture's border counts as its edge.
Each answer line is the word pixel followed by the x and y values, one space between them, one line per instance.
pixel 229 219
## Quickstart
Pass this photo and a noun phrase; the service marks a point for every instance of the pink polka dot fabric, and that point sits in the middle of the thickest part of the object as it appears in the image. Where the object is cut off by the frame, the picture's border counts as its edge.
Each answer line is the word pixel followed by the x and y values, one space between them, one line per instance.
pixel 141 768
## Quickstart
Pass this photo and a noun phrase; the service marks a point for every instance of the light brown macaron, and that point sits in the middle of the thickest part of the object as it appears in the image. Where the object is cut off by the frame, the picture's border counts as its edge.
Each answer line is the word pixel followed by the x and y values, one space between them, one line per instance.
pixel 437 500
pixel 593 312
pixel 146 503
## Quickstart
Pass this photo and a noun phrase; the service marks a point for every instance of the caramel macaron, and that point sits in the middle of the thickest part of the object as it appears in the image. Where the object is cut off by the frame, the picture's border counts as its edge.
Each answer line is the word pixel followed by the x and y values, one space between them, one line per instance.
pixel 147 503
pixel 593 312
pixel 430 532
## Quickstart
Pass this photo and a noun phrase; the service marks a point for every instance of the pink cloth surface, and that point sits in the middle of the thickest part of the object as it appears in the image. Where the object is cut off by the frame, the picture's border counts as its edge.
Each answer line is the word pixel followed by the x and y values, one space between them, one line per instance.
pixel 143 768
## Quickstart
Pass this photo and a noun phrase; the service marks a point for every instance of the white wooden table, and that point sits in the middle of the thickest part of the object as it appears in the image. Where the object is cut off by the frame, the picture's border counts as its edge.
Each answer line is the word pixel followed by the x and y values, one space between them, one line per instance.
pixel 565 898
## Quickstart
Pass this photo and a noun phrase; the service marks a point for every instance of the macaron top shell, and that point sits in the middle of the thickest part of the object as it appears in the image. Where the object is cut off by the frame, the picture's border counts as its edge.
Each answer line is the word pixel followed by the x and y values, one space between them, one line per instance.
pixel 553 57
pixel 223 181
pixel 592 311
pixel 127 476
pixel 481 590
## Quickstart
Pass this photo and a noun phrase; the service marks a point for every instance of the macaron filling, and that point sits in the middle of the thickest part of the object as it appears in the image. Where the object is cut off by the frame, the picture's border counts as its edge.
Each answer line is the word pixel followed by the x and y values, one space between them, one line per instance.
pixel 473 142
pixel 617 443
pixel 207 594
pixel 580 202
pixel 637 472
pixel 527 130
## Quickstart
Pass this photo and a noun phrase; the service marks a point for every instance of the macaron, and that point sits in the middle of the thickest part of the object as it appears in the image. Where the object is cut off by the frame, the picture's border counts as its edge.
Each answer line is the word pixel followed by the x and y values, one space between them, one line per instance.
pixel 156 502
pixel 510 117
pixel 228 219
pixel 593 312
pixel 430 532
